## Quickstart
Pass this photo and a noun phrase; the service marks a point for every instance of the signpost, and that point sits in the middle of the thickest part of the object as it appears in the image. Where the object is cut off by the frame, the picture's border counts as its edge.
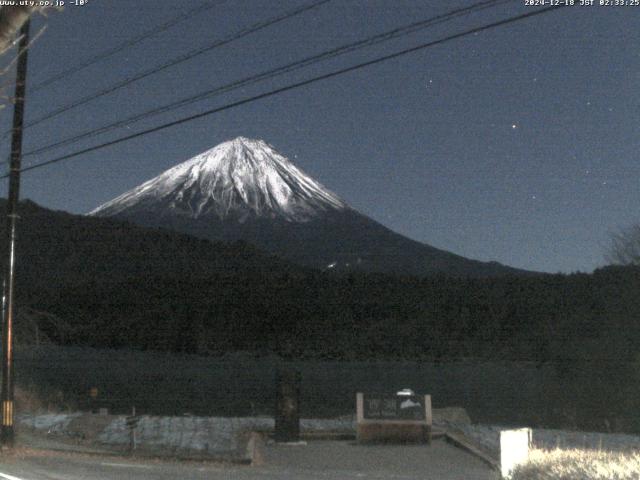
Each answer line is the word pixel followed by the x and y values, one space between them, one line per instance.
pixel 287 418
pixel 393 418
pixel 132 423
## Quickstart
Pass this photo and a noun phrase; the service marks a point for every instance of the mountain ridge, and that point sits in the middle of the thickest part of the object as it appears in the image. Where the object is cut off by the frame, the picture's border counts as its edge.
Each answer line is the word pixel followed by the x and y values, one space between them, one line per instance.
pixel 243 189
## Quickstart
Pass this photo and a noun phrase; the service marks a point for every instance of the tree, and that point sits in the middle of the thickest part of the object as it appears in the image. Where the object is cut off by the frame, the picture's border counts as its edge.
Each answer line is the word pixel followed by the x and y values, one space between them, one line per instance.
pixel 11 20
pixel 625 247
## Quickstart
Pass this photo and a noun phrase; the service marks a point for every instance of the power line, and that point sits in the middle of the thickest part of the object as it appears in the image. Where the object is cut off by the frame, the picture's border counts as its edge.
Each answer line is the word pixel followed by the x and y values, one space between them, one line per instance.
pixel 182 58
pixel 347 48
pixel 127 44
pixel 291 87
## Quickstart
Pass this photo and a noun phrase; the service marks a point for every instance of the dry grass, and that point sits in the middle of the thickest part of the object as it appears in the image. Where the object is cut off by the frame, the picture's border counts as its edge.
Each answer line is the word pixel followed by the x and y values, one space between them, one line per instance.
pixel 579 465
pixel 30 399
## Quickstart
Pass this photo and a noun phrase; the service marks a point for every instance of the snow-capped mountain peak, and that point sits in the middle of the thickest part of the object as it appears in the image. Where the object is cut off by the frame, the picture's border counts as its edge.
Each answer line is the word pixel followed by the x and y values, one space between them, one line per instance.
pixel 234 180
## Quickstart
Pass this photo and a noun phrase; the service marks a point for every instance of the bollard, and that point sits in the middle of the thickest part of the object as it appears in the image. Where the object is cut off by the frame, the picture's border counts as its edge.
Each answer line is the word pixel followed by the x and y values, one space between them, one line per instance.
pixel 93 399
pixel 287 417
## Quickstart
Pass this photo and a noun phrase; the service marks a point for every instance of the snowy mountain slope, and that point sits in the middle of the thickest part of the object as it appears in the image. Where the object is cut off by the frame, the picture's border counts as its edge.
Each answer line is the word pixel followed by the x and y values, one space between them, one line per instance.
pixel 237 179
pixel 245 190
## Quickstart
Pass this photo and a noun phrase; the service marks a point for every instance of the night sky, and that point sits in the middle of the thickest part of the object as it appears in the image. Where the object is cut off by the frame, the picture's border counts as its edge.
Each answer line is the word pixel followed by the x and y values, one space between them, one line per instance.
pixel 518 144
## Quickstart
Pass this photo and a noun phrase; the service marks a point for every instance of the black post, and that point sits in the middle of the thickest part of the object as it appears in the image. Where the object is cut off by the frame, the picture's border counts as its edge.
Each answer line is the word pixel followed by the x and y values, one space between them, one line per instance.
pixel 132 424
pixel 7 431
pixel 287 428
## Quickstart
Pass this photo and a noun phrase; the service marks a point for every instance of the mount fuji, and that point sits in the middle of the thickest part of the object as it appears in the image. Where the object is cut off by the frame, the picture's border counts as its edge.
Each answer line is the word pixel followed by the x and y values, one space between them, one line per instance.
pixel 243 189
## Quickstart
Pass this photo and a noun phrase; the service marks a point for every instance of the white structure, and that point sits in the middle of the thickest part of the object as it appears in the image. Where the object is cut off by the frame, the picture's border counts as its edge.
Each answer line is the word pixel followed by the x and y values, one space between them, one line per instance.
pixel 514 449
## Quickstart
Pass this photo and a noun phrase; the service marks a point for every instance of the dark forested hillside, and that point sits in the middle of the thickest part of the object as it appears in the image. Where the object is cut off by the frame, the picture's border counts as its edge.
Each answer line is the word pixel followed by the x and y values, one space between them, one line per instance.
pixel 103 283
pixel 59 250
pixel 115 284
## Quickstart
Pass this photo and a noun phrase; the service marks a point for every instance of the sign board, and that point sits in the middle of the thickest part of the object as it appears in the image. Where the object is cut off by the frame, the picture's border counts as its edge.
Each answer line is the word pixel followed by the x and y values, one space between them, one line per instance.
pixel 393 418
pixel 394 407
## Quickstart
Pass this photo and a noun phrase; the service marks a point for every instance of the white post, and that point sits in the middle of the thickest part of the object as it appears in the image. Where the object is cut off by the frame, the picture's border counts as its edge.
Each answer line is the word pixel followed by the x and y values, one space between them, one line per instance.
pixel 514 449
pixel 359 407
pixel 428 416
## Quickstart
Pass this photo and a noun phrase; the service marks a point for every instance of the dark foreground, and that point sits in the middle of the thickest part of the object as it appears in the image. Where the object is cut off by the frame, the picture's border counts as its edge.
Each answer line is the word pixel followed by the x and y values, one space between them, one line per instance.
pixel 313 461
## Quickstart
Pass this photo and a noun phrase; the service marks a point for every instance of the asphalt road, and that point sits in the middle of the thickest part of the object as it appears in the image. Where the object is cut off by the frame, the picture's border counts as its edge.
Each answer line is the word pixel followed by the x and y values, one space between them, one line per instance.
pixel 315 461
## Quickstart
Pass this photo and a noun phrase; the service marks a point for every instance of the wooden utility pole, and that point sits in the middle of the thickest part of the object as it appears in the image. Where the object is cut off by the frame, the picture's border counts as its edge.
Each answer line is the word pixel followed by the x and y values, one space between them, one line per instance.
pixel 6 395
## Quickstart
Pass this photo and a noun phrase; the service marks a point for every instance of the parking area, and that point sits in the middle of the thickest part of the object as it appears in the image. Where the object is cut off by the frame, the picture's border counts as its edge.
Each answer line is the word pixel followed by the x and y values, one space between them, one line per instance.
pixel 346 459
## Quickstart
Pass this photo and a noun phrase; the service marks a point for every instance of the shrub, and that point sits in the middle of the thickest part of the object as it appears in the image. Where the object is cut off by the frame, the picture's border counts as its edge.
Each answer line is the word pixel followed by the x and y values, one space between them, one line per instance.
pixel 579 464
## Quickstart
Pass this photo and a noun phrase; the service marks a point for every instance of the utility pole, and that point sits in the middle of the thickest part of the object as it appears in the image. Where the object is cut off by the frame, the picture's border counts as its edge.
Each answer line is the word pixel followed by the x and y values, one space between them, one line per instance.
pixel 7 430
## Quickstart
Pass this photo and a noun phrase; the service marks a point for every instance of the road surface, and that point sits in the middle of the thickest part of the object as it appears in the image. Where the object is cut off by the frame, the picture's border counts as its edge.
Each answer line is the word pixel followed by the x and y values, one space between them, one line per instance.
pixel 317 460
